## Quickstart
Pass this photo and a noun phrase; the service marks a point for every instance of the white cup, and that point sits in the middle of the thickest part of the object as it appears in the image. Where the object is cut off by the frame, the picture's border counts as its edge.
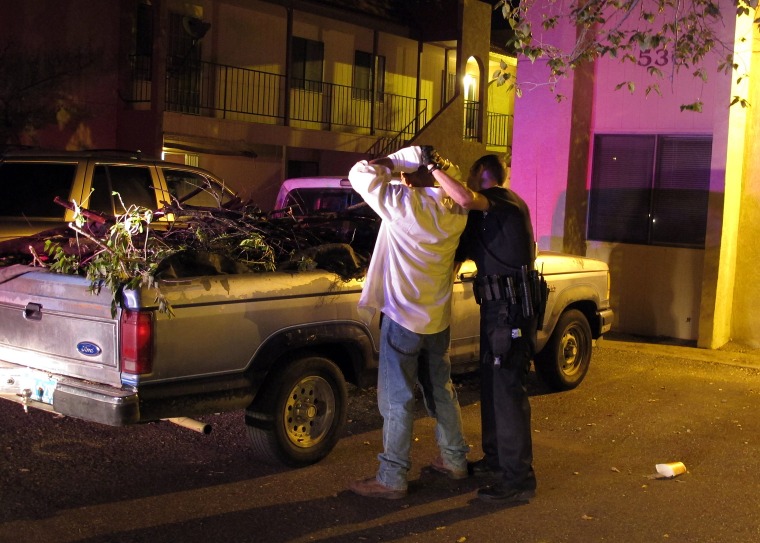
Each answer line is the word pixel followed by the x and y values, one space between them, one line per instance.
pixel 671 469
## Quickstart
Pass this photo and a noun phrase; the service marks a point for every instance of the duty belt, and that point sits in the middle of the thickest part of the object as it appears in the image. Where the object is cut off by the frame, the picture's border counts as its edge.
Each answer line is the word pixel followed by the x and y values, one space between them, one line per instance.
pixel 528 288
pixel 492 288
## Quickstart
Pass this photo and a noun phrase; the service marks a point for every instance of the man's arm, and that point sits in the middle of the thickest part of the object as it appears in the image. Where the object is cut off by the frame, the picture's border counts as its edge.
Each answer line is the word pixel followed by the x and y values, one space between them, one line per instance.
pixel 460 193
pixel 385 161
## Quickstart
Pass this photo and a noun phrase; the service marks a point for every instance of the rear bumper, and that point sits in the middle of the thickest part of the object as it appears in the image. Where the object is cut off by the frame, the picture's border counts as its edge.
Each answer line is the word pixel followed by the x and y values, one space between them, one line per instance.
pixel 71 397
pixel 97 403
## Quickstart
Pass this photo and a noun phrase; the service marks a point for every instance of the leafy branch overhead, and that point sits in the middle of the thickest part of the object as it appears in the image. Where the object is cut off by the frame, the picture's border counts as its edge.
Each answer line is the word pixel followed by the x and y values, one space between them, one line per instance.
pixel 664 36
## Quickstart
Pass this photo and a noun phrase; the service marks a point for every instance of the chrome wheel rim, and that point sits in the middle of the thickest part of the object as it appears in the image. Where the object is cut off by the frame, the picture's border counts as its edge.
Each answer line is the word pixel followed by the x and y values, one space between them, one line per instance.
pixel 309 411
pixel 571 351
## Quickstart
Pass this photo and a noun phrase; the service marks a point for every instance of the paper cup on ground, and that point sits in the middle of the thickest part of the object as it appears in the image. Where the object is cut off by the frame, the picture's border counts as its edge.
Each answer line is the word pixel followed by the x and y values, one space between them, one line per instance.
pixel 671 469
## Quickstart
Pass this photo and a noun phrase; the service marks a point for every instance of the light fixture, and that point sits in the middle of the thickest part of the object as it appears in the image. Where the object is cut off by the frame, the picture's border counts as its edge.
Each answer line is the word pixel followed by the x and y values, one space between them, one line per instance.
pixel 469 87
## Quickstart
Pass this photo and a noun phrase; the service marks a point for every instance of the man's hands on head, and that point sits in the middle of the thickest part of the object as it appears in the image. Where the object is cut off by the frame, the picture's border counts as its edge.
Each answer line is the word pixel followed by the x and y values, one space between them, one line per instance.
pixel 419 178
pixel 432 160
pixel 407 160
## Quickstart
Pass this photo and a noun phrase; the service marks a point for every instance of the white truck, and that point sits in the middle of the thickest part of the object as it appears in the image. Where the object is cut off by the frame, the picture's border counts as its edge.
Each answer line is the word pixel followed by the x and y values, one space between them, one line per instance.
pixel 277 346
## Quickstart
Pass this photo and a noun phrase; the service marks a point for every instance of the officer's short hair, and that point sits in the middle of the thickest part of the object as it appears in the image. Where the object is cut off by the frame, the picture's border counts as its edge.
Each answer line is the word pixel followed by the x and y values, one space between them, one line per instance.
pixel 495 166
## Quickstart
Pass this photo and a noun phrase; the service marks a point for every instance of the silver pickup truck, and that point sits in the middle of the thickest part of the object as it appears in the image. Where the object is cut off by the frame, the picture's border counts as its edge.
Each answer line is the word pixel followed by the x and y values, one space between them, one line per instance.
pixel 279 346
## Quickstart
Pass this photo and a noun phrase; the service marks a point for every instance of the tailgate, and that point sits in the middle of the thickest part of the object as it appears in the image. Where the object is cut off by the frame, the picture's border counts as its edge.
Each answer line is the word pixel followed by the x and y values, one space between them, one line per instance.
pixel 51 322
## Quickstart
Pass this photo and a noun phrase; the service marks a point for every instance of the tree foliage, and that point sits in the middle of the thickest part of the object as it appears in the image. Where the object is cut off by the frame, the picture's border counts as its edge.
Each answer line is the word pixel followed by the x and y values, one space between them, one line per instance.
pixel 690 33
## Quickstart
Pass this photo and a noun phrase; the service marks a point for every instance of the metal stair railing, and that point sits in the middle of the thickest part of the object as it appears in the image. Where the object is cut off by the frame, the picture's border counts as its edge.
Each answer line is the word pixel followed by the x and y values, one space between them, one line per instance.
pixel 386 144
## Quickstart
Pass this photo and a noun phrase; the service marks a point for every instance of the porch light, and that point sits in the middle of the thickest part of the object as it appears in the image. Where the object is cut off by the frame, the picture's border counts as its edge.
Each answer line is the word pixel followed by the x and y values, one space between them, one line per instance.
pixel 469 83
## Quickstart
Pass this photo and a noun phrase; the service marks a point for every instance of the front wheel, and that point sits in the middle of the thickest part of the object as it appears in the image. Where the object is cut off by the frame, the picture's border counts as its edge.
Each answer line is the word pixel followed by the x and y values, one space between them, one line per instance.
pixel 563 362
pixel 299 416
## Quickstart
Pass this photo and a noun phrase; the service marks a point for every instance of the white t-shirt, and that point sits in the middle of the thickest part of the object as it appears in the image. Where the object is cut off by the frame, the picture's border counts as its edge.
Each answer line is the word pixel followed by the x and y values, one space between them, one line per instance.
pixel 410 276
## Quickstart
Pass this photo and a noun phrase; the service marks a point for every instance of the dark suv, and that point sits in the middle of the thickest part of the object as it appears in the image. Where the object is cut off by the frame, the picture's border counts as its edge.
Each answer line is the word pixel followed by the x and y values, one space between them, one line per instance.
pixel 103 181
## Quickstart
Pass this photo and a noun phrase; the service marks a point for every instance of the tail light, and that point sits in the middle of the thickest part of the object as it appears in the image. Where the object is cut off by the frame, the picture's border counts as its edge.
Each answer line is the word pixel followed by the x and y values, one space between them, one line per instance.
pixel 136 342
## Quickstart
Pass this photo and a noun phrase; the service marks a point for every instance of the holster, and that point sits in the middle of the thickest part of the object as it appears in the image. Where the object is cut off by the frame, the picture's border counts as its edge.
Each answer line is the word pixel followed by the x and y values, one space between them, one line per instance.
pixel 540 295
pixel 500 336
pixel 527 290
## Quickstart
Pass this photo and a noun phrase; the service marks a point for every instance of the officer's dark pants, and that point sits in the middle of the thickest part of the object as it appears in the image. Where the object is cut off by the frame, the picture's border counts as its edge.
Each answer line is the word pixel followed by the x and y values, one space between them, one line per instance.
pixel 505 409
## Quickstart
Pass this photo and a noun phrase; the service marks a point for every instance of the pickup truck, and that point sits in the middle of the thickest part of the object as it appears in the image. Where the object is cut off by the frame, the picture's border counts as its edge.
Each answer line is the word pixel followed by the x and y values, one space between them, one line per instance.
pixel 279 346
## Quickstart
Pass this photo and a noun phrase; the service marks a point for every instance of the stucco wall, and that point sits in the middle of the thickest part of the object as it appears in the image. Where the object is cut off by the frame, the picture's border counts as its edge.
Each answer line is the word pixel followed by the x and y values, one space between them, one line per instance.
pixel 655 290
pixel 541 143
pixel 446 132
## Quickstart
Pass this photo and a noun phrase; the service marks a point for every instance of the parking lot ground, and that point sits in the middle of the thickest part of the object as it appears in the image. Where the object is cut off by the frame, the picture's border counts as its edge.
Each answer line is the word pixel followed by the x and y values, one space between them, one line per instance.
pixel 595 452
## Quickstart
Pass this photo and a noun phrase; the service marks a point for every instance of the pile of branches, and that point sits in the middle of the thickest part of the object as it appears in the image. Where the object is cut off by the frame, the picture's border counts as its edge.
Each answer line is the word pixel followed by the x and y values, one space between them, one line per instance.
pixel 239 238
pixel 133 249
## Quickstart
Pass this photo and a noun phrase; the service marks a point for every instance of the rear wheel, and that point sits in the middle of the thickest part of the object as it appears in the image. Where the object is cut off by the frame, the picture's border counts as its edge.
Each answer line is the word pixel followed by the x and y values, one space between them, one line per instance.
pixel 563 362
pixel 298 419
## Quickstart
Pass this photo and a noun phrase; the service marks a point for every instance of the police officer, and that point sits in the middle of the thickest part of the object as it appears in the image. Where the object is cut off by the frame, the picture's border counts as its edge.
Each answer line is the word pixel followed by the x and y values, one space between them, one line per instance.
pixel 499 239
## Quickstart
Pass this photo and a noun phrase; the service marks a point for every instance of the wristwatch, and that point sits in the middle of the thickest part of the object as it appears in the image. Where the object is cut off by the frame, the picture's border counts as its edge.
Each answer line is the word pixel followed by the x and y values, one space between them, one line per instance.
pixel 443 165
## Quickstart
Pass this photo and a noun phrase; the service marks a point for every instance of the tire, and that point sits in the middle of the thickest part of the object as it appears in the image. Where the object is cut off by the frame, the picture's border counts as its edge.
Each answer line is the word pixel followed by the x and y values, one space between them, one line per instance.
pixel 563 362
pixel 299 416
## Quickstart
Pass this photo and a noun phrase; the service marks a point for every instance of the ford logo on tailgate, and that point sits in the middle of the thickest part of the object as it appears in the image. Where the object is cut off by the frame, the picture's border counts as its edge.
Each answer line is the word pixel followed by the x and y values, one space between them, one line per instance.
pixel 88 349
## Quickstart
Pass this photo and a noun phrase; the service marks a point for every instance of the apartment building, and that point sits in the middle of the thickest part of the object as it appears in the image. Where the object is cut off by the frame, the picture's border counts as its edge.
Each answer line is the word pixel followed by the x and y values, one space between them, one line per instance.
pixel 261 90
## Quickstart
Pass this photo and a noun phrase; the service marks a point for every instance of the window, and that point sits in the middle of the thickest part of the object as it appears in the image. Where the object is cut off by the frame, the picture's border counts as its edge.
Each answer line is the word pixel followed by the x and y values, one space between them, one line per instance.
pixel 302 168
pixel 29 189
pixel 133 184
pixel 308 57
pixel 194 189
pixel 143 41
pixel 144 30
pixel 650 189
pixel 363 72
pixel 306 201
pixel 184 67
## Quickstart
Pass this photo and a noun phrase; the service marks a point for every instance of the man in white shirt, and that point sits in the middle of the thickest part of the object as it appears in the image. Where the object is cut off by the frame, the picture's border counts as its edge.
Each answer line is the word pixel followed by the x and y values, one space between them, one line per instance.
pixel 410 280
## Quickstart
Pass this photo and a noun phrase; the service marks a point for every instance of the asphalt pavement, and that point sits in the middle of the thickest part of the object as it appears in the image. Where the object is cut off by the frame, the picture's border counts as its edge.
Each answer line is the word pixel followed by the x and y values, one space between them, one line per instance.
pixel 595 452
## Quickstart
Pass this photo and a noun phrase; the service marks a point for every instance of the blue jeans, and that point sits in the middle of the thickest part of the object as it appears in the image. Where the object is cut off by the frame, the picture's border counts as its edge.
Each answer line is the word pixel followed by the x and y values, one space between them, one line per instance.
pixel 407 358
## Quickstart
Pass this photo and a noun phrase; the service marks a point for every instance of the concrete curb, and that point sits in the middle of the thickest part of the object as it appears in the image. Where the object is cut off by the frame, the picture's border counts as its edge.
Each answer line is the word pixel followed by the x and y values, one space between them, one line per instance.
pixel 717 356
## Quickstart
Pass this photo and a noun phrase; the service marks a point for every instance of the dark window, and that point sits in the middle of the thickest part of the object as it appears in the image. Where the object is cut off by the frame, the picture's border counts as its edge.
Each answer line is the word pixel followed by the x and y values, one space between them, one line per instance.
pixel 144 30
pixel 193 189
pixel 143 42
pixel 29 189
pixel 183 66
pixel 363 74
pixel 306 201
pixel 308 58
pixel 302 168
pixel 133 185
pixel 650 189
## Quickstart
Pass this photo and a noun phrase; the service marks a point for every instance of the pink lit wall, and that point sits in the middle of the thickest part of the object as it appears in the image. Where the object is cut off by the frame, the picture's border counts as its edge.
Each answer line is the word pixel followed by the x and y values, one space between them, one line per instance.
pixel 541 141
pixel 551 167
pixel 542 130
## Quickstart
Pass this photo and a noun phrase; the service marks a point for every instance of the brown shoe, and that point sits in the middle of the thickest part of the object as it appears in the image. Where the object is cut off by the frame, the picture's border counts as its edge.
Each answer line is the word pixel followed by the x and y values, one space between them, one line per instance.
pixel 372 488
pixel 452 473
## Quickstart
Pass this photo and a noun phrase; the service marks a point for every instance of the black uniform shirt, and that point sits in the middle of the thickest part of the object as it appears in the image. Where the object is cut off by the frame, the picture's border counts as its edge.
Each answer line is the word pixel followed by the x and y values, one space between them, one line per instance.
pixel 499 240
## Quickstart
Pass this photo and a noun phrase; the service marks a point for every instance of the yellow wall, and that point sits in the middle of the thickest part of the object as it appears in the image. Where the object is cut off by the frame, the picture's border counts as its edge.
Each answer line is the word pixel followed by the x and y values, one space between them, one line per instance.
pixel 740 252
pixel 658 288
